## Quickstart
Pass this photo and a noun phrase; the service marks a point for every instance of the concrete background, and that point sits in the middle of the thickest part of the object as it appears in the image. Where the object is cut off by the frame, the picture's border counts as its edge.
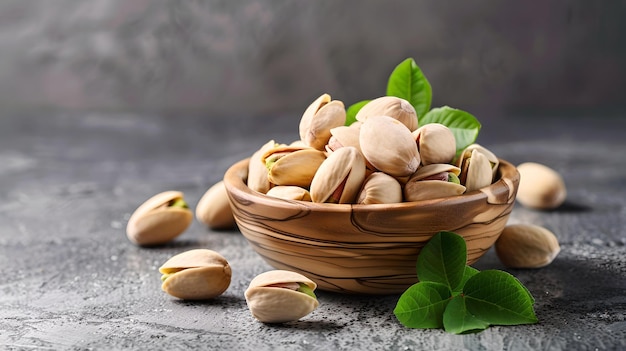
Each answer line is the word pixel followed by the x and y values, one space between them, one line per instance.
pixel 267 57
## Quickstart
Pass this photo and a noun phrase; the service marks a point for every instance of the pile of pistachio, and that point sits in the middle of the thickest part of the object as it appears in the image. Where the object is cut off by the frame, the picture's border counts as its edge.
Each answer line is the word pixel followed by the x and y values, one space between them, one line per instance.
pixel 383 157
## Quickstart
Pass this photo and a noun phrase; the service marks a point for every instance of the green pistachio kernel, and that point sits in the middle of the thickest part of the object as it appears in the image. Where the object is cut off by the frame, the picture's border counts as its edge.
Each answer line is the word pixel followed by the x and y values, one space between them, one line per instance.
pixel 453 178
pixel 178 203
pixel 306 290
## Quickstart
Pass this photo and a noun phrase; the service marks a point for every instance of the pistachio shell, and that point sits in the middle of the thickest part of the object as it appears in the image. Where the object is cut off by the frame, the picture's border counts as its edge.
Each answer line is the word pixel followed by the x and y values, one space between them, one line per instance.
pixel 493 160
pixel 540 186
pixel 432 169
pixel 344 136
pixel 339 177
pixel 435 143
pixel 155 222
pixel 319 118
pixel 257 172
pixel 380 188
pixel 214 210
pixel 389 146
pixel 431 189
pixel 526 246
pixel 391 106
pixel 270 301
pixel 196 275
pixel 476 172
pixel 290 192
pixel 296 166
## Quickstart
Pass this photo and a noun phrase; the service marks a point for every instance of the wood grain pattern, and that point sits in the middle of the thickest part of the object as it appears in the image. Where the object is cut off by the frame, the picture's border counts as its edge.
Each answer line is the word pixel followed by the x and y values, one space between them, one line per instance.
pixel 366 249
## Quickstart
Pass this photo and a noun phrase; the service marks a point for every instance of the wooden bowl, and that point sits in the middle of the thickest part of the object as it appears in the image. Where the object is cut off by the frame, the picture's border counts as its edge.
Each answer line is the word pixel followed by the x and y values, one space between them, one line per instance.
pixel 367 249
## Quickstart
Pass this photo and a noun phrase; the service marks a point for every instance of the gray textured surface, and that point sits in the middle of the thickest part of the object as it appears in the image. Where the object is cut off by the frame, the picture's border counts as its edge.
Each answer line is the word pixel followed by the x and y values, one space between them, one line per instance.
pixel 71 279
pixel 233 58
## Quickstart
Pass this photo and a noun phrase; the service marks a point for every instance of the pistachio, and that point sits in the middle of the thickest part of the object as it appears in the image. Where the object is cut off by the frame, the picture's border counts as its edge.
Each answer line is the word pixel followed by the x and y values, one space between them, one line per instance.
pixel 319 118
pixel 380 188
pixel 160 219
pixel 389 146
pixel 290 192
pixel 526 246
pixel 289 165
pixel 435 143
pixel 197 274
pixel 344 136
pixel 391 106
pixel 280 296
pixel 214 210
pixel 339 177
pixel 433 181
pixel 257 172
pixel 540 187
pixel 476 169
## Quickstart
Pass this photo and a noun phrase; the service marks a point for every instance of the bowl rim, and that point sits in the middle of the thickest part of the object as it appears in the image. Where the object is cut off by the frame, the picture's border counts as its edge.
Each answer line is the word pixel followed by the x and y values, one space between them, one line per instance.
pixel 235 180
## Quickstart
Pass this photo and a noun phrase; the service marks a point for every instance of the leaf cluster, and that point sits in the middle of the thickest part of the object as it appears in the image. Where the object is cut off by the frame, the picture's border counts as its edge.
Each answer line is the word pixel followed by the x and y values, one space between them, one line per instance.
pixel 458 298
pixel 407 81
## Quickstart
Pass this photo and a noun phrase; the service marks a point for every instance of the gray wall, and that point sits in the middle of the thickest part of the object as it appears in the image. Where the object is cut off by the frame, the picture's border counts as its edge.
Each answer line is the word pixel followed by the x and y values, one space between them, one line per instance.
pixel 223 58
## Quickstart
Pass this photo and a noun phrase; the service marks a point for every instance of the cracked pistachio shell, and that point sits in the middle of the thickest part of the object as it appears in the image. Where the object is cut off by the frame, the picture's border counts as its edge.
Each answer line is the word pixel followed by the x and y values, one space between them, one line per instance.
pixel 391 106
pixel 290 192
pixel 319 118
pixel 435 143
pixel 291 165
pixel 339 177
pixel 257 172
pixel 389 146
pixel 540 187
pixel 214 210
pixel 157 222
pixel 421 186
pixel 380 188
pixel 493 159
pixel 344 136
pixel 272 297
pixel 476 170
pixel 197 274
pixel 526 246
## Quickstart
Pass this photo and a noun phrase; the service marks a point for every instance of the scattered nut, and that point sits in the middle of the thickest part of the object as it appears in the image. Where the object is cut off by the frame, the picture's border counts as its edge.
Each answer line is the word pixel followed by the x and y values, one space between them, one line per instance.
pixel 160 219
pixel 281 296
pixel 214 210
pixel 197 274
pixel 540 187
pixel 526 246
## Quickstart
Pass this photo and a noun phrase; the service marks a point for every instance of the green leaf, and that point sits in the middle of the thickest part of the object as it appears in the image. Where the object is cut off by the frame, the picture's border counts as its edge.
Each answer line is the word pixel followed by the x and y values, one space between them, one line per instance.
pixel 422 305
pixel 443 260
pixel 467 273
pixel 499 298
pixel 408 82
pixel 463 125
pixel 458 320
pixel 353 109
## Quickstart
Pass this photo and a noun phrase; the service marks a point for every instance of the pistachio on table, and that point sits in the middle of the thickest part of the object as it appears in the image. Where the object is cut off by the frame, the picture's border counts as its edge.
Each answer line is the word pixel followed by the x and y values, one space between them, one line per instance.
pixel 197 274
pixel 433 181
pixel 339 178
pixel 540 186
pixel 392 106
pixel 319 118
pixel 160 219
pixel 280 296
pixel 214 210
pixel 389 146
pixel 526 246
